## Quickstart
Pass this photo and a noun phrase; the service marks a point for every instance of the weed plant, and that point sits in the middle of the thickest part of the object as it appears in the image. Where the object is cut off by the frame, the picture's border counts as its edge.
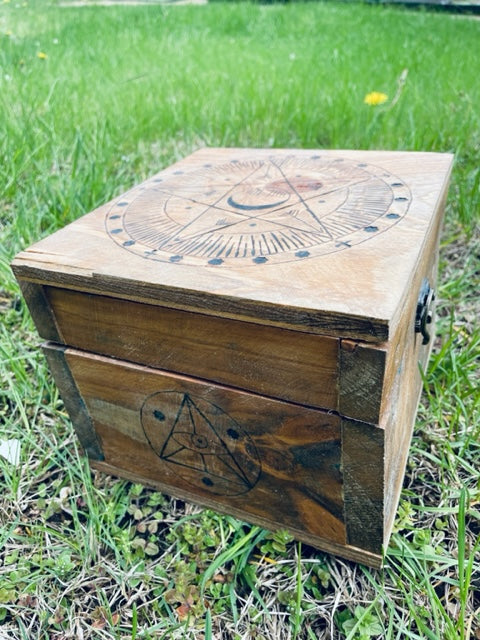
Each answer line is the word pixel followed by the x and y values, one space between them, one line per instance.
pixel 94 99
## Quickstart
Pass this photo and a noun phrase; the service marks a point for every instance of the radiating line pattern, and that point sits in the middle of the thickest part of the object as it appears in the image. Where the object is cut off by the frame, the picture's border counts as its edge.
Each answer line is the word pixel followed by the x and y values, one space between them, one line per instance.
pixel 259 211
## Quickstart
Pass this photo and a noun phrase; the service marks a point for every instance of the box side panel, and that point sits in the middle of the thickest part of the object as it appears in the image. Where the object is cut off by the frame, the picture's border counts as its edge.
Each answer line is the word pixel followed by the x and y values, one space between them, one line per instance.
pixel 407 357
pixel 399 416
pixel 399 428
pixel 278 363
pixel 73 401
pixel 363 475
pixel 266 459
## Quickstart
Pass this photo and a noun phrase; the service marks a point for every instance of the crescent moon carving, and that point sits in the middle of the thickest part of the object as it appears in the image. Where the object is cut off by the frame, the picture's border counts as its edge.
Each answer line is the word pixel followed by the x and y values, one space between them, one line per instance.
pixel 253 207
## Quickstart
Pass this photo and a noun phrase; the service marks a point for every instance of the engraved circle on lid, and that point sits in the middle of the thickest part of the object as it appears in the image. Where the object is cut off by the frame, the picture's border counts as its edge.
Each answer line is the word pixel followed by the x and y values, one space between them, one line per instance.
pixel 258 212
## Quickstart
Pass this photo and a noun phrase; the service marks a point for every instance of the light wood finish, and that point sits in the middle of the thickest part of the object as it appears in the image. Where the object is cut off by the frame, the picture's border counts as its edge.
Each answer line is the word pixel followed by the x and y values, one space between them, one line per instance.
pixel 355 291
pixel 407 357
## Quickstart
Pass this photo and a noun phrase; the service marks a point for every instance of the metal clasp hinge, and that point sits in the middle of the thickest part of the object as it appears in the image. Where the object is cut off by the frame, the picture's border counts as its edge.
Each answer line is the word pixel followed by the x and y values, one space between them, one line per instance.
pixel 424 313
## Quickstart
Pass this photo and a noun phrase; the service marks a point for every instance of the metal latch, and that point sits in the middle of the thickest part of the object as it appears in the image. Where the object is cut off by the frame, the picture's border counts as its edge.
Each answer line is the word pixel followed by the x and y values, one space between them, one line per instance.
pixel 424 314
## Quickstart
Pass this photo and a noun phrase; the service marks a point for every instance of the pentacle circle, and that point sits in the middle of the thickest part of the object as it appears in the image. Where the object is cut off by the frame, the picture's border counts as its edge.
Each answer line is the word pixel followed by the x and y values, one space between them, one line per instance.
pixel 258 212
pixel 205 446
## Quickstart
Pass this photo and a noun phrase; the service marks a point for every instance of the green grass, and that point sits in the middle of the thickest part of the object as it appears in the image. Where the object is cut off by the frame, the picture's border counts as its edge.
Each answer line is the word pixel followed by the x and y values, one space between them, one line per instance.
pixel 123 92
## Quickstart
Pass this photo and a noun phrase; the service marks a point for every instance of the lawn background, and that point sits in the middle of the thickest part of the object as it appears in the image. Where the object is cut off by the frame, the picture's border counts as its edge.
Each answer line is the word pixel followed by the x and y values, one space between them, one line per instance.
pixel 93 100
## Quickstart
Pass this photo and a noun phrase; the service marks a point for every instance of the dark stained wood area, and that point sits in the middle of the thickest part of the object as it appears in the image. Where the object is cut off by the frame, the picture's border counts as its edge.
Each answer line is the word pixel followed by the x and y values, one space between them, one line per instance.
pixel 272 459
pixel 275 362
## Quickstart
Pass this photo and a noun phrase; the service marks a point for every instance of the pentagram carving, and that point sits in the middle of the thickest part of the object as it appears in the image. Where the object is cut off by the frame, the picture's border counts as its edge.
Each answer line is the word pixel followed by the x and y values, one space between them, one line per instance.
pixel 205 445
pixel 258 212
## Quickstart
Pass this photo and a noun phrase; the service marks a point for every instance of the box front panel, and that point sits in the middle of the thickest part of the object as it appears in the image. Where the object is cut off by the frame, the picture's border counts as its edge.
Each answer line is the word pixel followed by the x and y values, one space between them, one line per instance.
pixel 290 365
pixel 272 462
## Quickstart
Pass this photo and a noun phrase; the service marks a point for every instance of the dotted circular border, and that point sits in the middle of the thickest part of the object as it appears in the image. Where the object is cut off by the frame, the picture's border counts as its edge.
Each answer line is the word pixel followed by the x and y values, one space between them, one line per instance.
pixel 117 223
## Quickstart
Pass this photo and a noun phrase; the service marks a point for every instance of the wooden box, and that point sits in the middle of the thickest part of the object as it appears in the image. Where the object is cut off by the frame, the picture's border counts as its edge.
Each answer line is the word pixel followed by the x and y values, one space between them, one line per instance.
pixel 244 330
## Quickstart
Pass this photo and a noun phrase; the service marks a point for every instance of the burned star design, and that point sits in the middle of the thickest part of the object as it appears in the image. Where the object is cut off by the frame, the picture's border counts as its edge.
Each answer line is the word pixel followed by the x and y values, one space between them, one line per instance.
pixel 257 212
pixel 207 448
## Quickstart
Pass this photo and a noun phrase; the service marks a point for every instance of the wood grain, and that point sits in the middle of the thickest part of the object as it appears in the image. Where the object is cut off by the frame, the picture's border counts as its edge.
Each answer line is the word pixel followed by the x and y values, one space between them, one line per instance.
pixel 289 365
pixel 283 316
pixel 407 357
pixel 361 380
pixel 271 459
pixel 73 401
pixel 363 475
pixel 343 550
pixel 41 311
pixel 353 291
pixel 239 331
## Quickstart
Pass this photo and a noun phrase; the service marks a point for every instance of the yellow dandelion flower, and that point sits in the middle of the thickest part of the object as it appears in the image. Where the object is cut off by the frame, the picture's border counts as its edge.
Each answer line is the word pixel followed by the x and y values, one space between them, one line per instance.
pixel 8 33
pixel 42 55
pixel 375 98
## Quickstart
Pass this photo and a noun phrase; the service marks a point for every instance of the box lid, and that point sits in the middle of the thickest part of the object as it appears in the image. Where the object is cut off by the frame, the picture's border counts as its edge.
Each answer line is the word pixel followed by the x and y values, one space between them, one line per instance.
pixel 320 241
